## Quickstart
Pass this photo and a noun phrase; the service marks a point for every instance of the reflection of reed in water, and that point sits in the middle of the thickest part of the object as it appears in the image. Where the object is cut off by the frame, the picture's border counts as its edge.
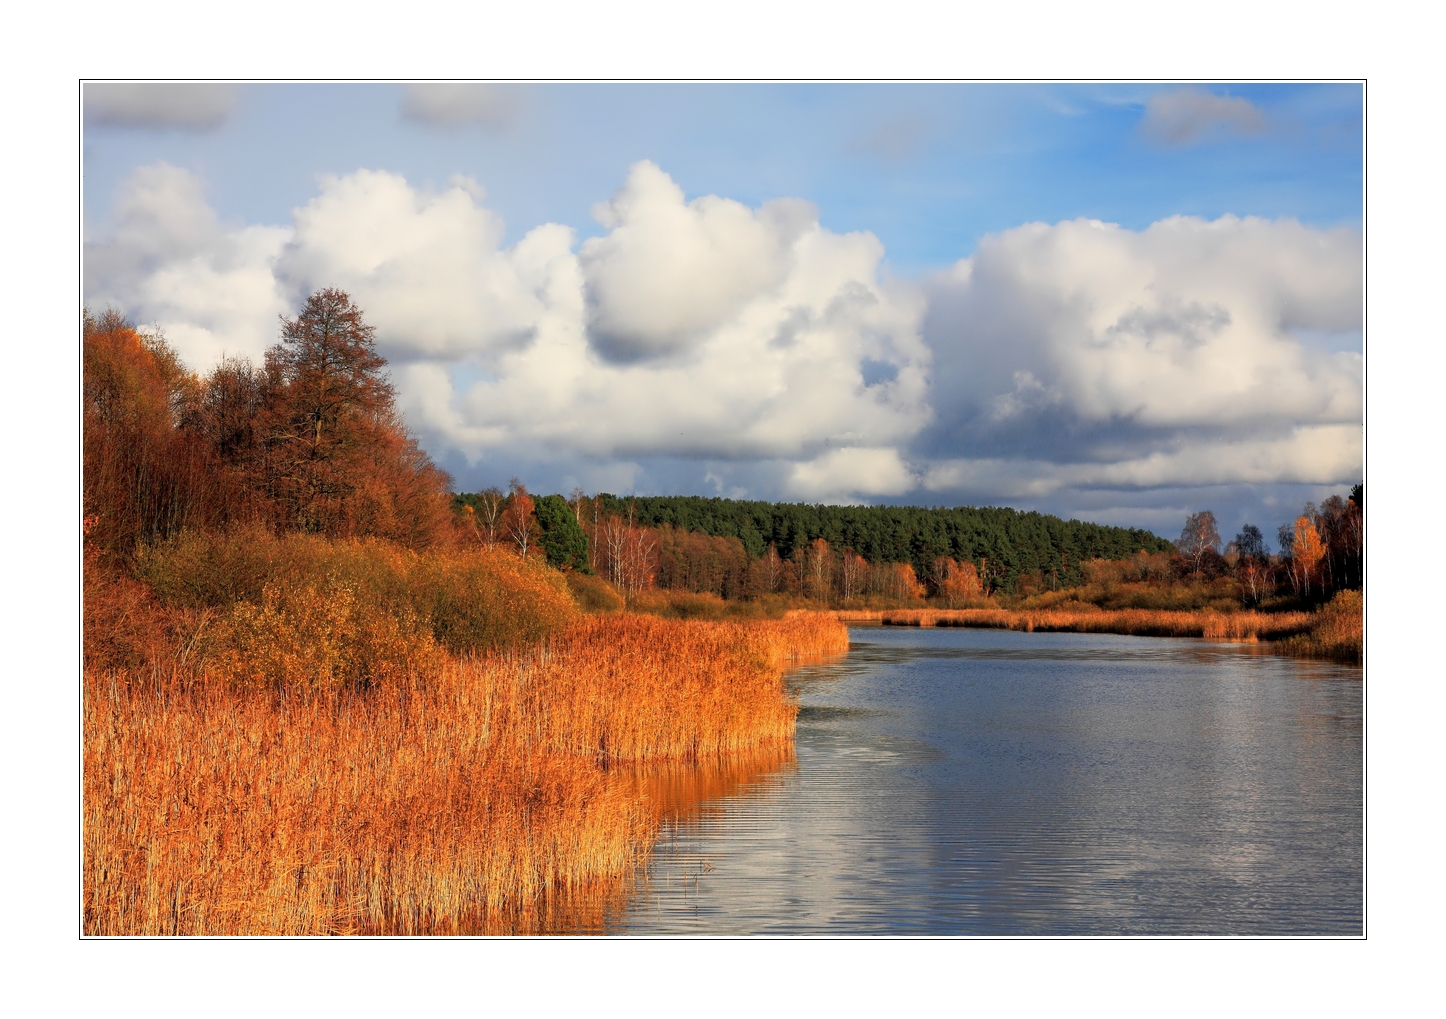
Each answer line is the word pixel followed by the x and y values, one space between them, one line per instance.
pixel 666 795
pixel 675 791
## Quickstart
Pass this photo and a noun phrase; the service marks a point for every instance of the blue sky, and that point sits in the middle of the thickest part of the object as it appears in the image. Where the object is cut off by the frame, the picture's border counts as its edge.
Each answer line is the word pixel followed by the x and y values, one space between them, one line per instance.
pixel 926 174
pixel 927 168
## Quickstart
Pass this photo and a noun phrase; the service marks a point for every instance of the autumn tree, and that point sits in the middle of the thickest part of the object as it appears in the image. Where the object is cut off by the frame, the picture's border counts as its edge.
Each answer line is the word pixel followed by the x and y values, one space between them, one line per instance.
pixel 815 562
pixel 519 521
pixel 145 476
pixel 1306 554
pixel 955 583
pixel 1200 537
pixel 853 572
pixel 629 553
pixel 336 453
pixel 770 570
pixel 1342 531
pixel 691 561
pixel 487 508
pixel 896 581
pixel 1253 569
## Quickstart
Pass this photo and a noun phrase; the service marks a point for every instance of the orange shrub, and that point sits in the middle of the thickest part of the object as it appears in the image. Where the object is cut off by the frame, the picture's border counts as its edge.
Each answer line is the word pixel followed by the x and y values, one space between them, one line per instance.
pixel 593 593
pixel 355 599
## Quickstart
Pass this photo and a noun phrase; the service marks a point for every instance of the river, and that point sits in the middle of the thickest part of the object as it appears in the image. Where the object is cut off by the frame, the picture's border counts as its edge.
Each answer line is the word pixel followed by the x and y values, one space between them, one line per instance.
pixel 985 782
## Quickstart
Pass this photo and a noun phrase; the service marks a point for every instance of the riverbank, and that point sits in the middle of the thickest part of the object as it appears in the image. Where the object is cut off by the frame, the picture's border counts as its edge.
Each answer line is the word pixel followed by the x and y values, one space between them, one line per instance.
pixel 1334 632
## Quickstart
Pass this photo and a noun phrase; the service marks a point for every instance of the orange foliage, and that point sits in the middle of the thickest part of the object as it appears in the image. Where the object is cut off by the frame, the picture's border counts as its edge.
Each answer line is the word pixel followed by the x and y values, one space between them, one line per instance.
pixel 697 562
pixel 166 450
pixel 895 580
pixel 1306 553
pixel 144 477
pixel 955 583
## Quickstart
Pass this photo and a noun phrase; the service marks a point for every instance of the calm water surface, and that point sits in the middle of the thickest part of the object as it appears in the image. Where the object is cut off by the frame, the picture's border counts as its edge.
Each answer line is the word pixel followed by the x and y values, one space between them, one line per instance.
pixel 954 781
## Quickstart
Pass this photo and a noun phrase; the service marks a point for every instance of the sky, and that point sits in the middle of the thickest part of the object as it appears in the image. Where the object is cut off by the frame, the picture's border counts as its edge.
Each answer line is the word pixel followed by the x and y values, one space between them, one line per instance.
pixel 1121 303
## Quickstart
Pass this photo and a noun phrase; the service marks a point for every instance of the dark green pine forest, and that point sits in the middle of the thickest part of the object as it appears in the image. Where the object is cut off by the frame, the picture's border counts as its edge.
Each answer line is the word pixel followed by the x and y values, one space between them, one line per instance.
pixel 1012 542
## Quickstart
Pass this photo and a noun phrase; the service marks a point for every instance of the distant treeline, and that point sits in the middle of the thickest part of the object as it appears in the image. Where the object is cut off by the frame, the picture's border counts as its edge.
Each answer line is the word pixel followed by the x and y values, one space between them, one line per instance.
pixel 1009 543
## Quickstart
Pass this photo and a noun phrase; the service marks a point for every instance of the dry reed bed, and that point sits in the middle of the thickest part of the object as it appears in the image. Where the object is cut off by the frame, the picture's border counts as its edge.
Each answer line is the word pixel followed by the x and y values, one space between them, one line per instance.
pixel 1231 626
pixel 1337 632
pixel 489 796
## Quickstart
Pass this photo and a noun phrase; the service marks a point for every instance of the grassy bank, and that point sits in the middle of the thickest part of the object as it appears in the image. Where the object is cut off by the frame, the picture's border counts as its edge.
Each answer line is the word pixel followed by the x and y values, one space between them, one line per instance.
pixel 1335 631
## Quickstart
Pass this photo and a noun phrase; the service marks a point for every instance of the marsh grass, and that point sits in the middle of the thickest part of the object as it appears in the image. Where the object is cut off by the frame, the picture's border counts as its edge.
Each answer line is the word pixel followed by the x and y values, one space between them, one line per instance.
pixel 1337 631
pixel 496 793
pixel 1082 618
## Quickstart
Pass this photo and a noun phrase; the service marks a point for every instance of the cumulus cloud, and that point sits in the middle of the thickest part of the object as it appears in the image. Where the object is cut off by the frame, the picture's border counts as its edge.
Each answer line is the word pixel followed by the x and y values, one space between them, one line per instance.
pixel 166 259
pixel 460 104
pixel 1184 115
pixel 1081 355
pixel 427 267
pixel 793 346
pixel 193 106
pixel 843 473
pixel 1185 324
pixel 705 342
pixel 670 270
pixel 764 365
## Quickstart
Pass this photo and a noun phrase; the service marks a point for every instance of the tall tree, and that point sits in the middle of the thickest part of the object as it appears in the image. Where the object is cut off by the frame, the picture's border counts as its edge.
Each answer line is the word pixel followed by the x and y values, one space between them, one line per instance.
pixel 336 452
pixel 519 520
pixel 1200 537
pixel 1307 553
pixel 144 477
pixel 1250 542
pixel 561 537
pixel 1253 568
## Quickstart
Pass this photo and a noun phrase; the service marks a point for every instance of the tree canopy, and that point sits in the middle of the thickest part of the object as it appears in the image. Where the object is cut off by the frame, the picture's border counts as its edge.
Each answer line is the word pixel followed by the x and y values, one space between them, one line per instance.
pixel 1012 542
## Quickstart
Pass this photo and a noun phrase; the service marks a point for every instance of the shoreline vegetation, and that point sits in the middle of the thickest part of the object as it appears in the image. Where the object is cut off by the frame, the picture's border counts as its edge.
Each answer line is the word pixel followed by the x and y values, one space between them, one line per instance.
pixel 324 694
pixel 1334 632
pixel 517 792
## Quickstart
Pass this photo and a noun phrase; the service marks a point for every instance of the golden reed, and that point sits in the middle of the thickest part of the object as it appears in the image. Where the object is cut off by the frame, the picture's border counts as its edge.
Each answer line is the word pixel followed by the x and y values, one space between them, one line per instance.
pixel 1227 626
pixel 508 793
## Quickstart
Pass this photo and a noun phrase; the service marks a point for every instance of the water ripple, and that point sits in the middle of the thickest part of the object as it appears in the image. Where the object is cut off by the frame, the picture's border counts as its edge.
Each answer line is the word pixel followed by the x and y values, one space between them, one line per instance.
pixel 997 783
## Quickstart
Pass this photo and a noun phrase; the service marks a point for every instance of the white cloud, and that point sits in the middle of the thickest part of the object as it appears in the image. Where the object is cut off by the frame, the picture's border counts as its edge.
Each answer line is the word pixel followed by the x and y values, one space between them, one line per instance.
pixel 492 348
pixel 166 259
pixel 841 475
pixel 773 366
pixel 773 355
pixel 1185 324
pixel 1322 454
pixel 670 270
pixel 195 106
pixel 458 104
pixel 1185 115
pixel 427 268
